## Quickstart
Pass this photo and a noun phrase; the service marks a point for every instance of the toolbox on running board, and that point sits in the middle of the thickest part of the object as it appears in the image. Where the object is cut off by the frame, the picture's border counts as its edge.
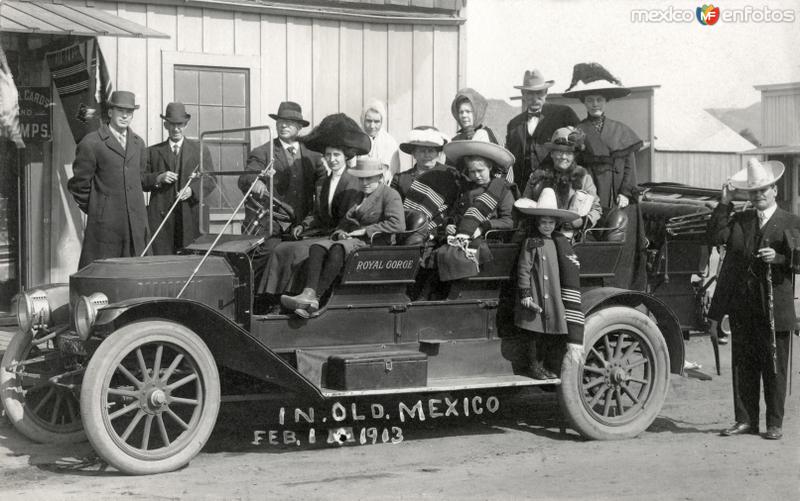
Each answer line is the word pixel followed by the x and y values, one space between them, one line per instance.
pixel 376 370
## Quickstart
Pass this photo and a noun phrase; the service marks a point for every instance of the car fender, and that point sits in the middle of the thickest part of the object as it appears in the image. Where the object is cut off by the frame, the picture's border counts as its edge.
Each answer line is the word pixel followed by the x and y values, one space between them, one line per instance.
pixel 231 345
pixel 667 322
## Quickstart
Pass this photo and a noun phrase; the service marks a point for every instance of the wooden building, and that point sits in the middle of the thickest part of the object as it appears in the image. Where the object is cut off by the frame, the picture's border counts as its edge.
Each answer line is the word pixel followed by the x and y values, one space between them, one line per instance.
pixel 780 121
pixel 231 62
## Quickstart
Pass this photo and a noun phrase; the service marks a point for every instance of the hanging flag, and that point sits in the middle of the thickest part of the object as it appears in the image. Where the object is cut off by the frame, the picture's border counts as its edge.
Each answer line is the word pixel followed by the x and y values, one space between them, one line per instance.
pixel 9 104
pixel 82 80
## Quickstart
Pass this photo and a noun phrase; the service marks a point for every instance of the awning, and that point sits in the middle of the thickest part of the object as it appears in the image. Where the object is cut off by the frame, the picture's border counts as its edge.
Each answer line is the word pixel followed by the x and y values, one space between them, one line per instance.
pixel 68 19
pixel 791 149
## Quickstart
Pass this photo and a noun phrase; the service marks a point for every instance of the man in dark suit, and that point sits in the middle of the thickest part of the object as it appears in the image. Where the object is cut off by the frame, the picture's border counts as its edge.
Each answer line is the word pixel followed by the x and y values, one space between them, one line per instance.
pixel 170 164
pixel 755 241
pixel 296 170
pixel 107 185
pixel 527 132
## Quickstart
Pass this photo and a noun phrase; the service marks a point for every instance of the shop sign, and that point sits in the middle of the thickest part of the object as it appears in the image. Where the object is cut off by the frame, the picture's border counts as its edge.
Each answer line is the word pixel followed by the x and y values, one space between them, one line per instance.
pixel 35 104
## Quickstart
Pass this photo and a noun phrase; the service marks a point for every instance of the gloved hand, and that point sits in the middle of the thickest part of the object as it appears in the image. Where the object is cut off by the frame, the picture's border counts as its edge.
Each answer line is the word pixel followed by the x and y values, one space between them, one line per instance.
pixel 296 232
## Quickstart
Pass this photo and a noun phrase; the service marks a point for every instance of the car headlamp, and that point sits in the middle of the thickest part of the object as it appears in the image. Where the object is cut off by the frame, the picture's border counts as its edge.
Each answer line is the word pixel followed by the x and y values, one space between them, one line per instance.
pixel 86 313
pixel 32 308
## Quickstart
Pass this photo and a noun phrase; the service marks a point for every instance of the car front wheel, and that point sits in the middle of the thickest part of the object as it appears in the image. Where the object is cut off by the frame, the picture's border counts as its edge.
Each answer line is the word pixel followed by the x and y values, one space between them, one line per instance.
pixel 150 397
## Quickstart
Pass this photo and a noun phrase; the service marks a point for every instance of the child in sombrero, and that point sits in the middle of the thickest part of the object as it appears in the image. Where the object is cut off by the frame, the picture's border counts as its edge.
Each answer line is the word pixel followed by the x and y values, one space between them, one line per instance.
pixel 548 311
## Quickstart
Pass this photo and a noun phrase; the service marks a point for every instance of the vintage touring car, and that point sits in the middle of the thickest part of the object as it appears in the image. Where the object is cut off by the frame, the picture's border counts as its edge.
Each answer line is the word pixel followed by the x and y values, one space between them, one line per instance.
pixel 137 354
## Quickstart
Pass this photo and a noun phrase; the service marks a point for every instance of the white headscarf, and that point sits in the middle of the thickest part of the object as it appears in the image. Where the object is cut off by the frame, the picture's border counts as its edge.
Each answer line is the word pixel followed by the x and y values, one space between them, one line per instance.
pixel 384 146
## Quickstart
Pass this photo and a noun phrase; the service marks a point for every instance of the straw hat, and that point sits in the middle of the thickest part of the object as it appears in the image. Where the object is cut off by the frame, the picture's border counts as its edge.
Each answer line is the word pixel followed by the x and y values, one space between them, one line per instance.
pixel 456 150
pixel 757 175
pixel 534 80
pixel 590 79
pixel 424 135
pixel 366 167
pixel 545 206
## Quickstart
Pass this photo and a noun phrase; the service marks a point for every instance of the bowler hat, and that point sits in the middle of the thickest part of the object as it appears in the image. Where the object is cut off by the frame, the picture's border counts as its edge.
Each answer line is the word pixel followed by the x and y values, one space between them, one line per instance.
pixel 289 110
pixel 547 205
pixel 593 79
pixel 456 150
pixel 122 99
pixel 176 113
pixel 534 80
pixel 757 175
pixel 366 167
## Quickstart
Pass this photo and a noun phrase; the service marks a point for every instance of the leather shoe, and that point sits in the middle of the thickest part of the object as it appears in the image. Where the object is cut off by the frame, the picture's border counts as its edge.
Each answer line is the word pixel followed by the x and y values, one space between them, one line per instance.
pixel 306 300
pixel 773 433
pixel 739 429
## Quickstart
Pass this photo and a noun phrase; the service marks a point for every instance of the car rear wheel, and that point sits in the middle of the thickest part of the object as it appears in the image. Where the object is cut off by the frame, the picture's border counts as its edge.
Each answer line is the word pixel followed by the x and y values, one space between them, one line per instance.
pixel 150 397
pixel 619 388
pixel 39 408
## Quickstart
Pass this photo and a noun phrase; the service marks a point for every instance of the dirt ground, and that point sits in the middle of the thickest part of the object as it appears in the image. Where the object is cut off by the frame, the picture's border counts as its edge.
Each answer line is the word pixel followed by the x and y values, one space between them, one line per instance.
pixel 520 453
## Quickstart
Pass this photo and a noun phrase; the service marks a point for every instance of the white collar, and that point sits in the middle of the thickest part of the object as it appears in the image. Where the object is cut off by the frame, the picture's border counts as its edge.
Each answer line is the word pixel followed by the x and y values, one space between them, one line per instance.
pixel 179 143
pixel 286 145
pixel 767 214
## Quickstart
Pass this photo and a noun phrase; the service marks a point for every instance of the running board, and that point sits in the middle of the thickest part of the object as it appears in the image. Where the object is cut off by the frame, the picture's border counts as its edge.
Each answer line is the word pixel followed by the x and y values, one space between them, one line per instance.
pixel 449 384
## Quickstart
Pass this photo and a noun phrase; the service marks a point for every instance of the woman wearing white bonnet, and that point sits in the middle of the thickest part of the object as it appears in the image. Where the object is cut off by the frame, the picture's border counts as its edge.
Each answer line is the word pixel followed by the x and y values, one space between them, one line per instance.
pixel 384 146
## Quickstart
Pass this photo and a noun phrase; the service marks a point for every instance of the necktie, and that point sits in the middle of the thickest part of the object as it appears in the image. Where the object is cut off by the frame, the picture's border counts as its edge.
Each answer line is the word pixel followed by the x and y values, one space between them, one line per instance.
pixel 292 150
pixel 762 219
pixel 176 150
pixel 533 121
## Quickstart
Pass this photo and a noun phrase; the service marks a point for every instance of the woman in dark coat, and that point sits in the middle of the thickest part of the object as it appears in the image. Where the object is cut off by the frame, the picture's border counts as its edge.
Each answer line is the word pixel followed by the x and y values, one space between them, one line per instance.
pixel 610 156
pixel 340 139
pixel 469 109
pixel 379 210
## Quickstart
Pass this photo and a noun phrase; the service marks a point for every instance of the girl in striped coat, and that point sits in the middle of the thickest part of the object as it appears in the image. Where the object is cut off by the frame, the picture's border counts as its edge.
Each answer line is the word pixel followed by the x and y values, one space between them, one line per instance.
pixel 548 280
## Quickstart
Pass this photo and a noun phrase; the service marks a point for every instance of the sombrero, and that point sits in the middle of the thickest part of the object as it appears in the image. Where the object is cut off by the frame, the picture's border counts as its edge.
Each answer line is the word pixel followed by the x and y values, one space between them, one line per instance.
pixel 426 136
pixel 545 206
pixel 456 150
pixel 757 175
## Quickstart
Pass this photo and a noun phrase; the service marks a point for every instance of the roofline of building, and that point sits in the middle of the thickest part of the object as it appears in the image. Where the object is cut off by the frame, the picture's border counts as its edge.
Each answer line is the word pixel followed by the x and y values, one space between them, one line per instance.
pixel 388 13
pixel 779 86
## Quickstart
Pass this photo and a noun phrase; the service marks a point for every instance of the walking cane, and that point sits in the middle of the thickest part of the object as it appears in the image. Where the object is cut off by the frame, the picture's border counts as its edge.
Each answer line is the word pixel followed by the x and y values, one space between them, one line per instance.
pixel 192 177
pixel 771 312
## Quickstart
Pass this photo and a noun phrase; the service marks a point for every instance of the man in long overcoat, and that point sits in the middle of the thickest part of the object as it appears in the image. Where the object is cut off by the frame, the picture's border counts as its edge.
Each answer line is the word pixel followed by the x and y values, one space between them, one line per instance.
pixel 527 132
pixel 755 239
pixel 169 166
pixel 107 185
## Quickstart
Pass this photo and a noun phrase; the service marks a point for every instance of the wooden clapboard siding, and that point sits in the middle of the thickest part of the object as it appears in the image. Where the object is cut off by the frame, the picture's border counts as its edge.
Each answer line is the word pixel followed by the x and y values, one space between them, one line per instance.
pixel 780 114
pixel 190 28
pixel 299 62
pixel 247 34
pixel 401 71
pixel 218 29
pixel 701 169
pixel 445 64
pixel 325 69
pixel 132 70
pixel 163 19
pixel 422 76
pixel 273 64
pixel 375 74
pixel 351 69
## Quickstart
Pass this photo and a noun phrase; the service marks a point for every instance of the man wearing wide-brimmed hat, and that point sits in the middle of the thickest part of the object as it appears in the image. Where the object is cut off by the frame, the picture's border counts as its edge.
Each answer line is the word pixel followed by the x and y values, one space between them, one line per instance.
pixel 170 165
pixel 756 246
pixel 528 131
pixel 107 184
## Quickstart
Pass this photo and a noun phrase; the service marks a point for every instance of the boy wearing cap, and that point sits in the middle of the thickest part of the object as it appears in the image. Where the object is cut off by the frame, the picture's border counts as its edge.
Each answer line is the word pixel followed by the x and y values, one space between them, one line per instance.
pixel 107 185
pixel 169 166
pixel 755 240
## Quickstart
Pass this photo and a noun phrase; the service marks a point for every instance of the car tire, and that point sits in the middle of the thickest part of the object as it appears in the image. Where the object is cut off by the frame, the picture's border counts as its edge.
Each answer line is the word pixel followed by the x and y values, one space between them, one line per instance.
pixel 150 397
pixel 619 387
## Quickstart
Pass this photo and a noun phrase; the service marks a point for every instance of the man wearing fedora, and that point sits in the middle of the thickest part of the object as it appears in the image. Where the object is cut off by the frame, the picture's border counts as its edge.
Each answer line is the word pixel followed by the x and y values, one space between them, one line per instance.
pixel 107 185
pixel 169 166
pixel 527 132
pixel 297 169
pixel 755 241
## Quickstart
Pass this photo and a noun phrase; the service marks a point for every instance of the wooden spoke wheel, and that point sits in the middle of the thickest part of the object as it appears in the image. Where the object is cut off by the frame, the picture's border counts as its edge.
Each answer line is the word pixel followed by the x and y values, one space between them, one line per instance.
pixel 620 386
pixel 150 397
pixel 39 408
